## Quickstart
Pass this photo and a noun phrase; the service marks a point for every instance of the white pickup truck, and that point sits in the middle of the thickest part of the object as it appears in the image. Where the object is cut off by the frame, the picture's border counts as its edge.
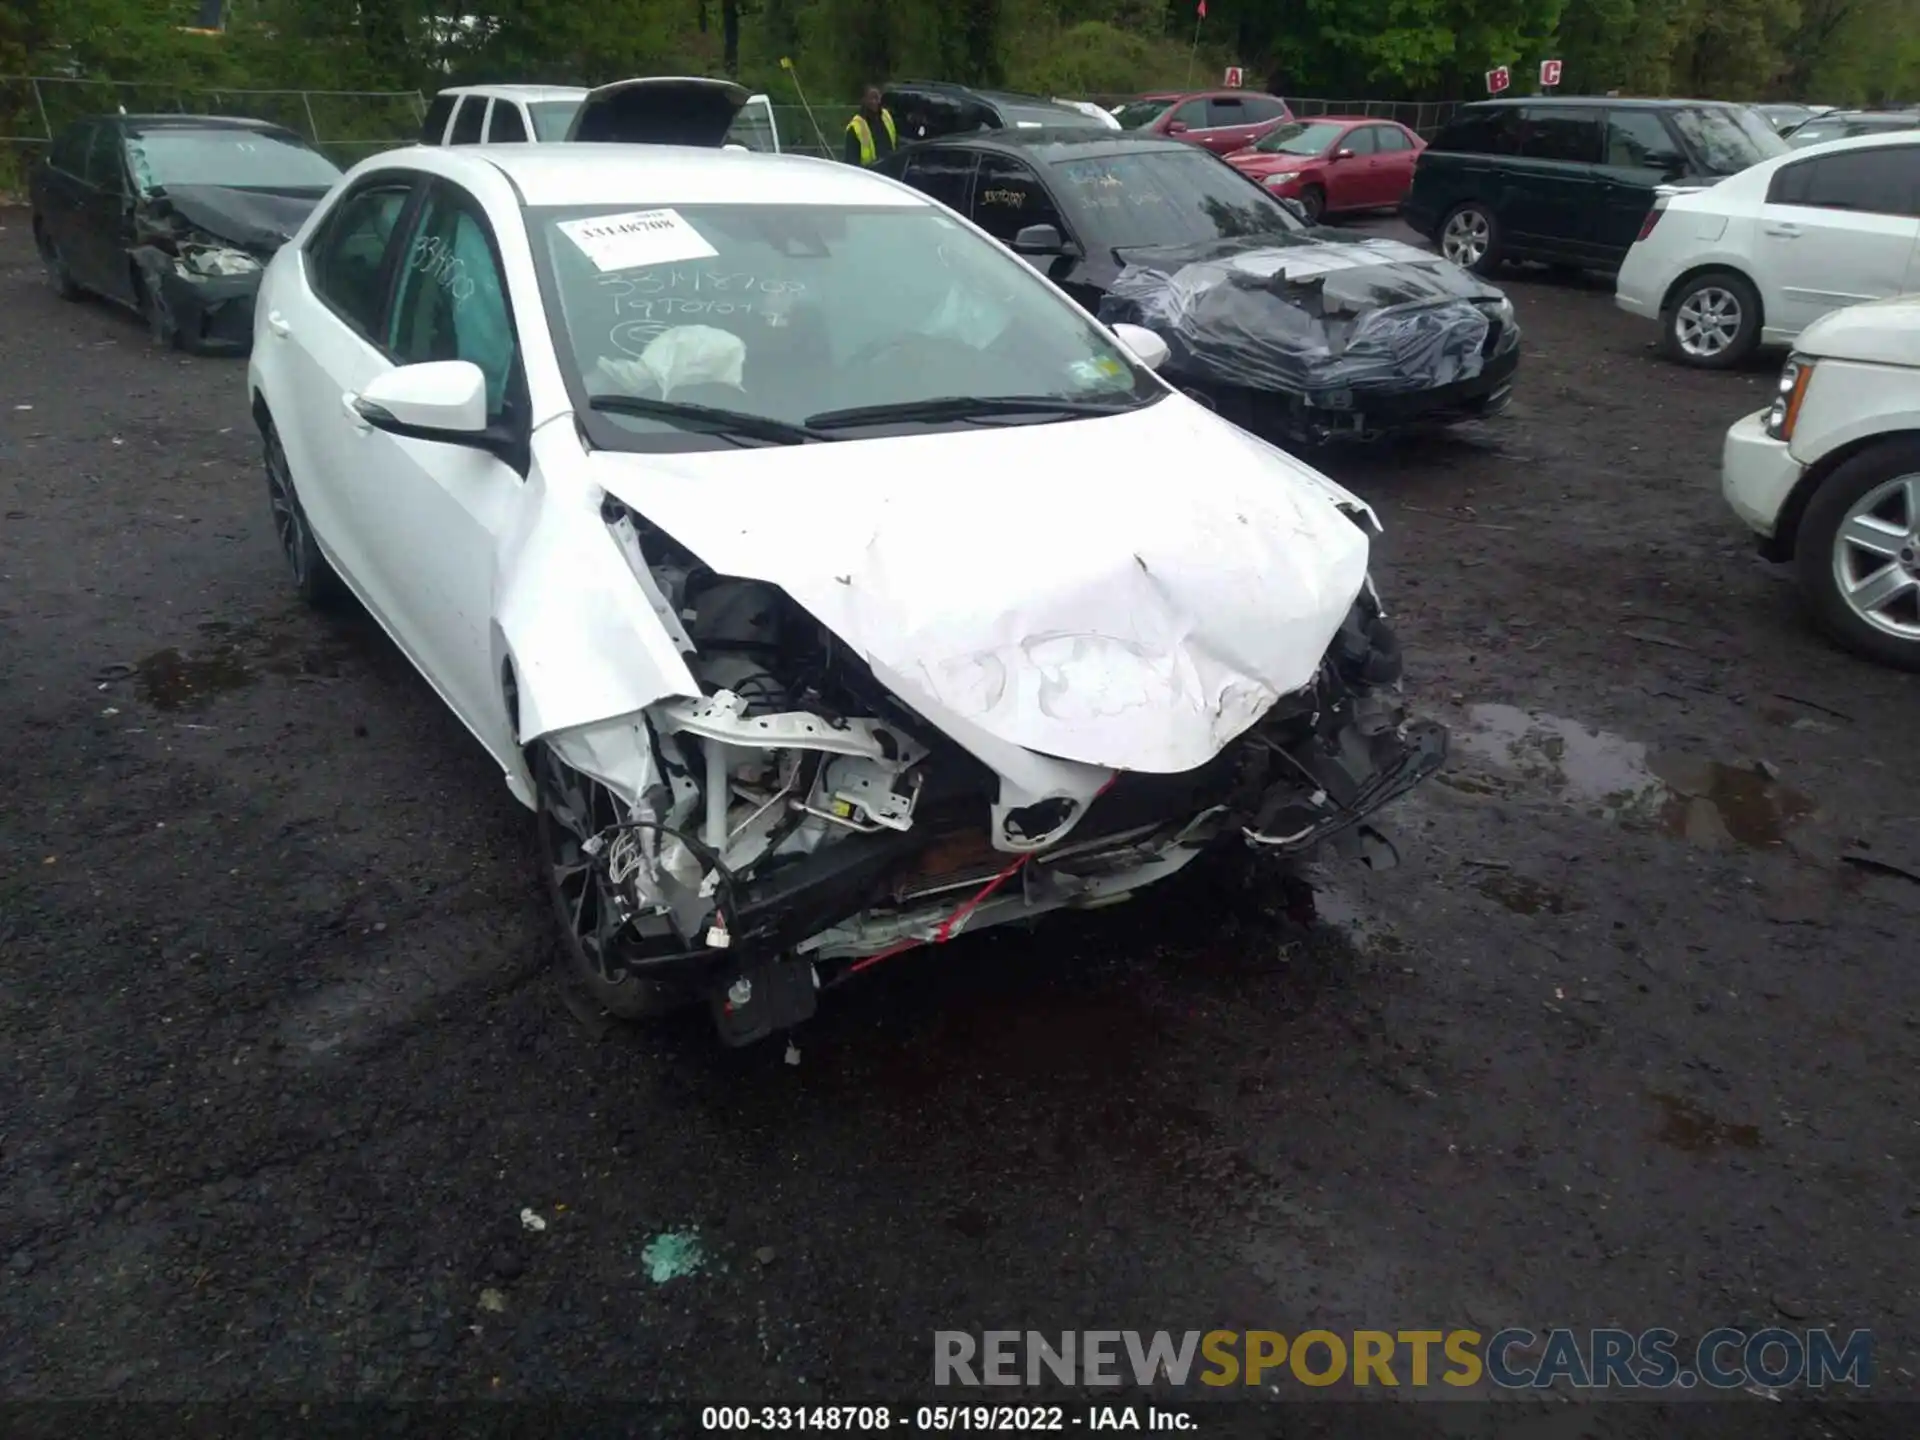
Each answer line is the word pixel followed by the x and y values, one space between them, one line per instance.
pixel 515 114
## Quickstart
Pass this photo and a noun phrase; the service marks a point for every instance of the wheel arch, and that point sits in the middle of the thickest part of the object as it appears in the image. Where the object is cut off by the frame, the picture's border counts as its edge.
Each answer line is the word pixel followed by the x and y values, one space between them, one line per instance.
pixel 1712 267
pixel 1785 540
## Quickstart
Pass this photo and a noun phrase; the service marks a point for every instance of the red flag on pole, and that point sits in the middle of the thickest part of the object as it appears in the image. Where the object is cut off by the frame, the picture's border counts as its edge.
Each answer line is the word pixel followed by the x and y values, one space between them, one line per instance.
pixel 1202 11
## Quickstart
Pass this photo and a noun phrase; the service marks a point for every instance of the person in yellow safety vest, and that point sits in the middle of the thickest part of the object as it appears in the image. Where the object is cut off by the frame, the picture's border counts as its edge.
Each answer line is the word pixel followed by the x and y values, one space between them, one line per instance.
pixel 868 143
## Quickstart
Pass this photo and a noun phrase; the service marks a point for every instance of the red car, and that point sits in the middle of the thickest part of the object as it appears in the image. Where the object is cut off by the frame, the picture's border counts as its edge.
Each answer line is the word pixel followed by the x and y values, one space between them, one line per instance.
pixel 1221 120
pixel 1333 163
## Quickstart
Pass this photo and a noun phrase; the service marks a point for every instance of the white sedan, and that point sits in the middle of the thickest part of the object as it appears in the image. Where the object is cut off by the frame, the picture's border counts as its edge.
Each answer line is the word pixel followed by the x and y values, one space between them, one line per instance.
pixel 824 578
pixel 1761 255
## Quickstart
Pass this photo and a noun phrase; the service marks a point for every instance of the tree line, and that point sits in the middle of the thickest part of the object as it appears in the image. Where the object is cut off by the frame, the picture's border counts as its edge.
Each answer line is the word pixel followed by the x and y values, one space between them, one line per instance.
pixel 1831 51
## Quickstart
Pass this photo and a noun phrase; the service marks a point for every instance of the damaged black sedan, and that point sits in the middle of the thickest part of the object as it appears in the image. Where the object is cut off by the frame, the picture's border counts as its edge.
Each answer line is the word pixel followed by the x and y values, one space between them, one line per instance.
pixel 174 216
pixel 1299 334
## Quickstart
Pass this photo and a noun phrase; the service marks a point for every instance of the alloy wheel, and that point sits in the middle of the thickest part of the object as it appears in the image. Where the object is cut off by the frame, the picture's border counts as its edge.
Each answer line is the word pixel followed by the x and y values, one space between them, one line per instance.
pixel 1876 558
pixel 1707 322
pixel 1466 238
pixel 289 520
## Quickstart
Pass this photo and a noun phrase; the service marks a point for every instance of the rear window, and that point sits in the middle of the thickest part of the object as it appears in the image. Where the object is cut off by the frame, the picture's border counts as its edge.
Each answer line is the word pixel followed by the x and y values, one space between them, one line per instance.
pixel 1166 197
pixel 434 128
pixel 1136 114
pixel 1048 117
pixel 1492 131
pixel 753 128
pixel 551 118
pixel 1726 140
pixel 1878 181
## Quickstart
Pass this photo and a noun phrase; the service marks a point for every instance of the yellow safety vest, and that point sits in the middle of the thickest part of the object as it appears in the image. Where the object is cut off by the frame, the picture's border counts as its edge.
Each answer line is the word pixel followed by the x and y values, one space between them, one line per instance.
pixel 863 132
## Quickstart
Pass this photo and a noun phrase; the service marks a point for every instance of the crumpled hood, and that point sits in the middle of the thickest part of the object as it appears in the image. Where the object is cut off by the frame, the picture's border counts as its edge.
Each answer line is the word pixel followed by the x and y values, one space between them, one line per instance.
pixel 257 220
pixel 1130 592
pixel 1308 313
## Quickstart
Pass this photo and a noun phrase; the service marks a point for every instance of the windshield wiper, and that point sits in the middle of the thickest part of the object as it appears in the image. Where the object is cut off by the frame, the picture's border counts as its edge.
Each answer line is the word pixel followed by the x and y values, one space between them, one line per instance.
pixel 966 407
pixel 710 419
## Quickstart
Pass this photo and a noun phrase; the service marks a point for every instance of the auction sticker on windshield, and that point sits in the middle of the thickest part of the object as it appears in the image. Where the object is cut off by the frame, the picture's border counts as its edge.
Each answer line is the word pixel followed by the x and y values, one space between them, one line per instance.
pixel 636 238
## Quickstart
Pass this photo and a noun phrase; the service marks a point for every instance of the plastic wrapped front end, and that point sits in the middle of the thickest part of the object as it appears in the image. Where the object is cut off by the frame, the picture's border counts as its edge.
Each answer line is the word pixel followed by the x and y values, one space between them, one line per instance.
pixel 1322 338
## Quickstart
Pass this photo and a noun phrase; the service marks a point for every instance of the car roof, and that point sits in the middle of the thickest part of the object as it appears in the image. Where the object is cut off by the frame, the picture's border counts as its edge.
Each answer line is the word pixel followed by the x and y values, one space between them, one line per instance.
pixel 521 92
pixel 650 176
pixel 1346 120
pixel 1612 102
pixel 1064 143
pixel 191 122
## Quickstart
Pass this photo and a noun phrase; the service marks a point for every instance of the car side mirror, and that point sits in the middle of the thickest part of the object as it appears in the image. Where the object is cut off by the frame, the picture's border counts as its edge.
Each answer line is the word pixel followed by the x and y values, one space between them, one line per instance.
pixel 441 400
pixel 1040 240
pixel 1145 346
pixel 1176 127
pixel 1343 154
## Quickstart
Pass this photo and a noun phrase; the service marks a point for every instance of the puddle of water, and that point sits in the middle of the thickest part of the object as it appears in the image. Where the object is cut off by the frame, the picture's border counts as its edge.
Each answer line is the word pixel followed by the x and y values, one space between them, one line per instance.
pixel 1527 897
pixel 1702 801
pixel 1688 1127
pixel 232 657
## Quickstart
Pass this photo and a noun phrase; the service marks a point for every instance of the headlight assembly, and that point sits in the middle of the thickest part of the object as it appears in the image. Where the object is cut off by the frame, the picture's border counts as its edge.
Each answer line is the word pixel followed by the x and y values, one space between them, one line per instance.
pixel 1785 410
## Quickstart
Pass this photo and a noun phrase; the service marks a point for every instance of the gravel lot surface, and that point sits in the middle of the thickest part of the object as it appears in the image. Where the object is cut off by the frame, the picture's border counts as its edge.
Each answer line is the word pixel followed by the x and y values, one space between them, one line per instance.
pixel 1625 1039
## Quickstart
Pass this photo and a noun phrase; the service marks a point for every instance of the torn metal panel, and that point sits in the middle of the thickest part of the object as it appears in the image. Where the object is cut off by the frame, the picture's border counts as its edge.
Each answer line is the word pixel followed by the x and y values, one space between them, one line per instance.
pixel 1131 621
pixel 1314 319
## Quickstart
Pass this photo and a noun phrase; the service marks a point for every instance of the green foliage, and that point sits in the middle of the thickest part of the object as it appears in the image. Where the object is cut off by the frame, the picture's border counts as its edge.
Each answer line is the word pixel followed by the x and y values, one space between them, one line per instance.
pixel 1837 51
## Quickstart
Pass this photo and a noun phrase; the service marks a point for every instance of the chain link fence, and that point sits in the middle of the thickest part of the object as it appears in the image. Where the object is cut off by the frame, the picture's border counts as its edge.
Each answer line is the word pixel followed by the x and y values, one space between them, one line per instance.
pixel 351 124
pixel 347 124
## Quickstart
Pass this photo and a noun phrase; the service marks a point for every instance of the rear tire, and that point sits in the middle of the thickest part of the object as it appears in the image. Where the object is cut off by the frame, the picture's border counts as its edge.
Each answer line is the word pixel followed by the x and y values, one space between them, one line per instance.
pixel 1712 322
pixel 570 808
pixel 314 579
pixel 1863 524
pixel 1470 238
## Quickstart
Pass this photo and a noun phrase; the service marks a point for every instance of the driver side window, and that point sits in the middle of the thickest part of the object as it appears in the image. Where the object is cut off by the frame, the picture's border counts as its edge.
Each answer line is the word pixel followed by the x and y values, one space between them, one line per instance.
pixel 452 303
pixel 1008 197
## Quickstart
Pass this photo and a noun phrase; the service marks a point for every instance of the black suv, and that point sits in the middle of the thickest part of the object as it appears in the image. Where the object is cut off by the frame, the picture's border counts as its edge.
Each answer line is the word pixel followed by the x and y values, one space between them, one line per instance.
pixel 1569 180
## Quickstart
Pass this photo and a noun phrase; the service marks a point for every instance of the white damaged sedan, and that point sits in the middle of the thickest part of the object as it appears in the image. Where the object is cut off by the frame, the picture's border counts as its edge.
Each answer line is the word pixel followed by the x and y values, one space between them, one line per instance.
pixel 825 580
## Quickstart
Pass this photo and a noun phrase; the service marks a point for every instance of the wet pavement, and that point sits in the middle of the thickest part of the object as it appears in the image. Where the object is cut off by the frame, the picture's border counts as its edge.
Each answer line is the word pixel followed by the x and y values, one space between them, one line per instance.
pixel 1628 1037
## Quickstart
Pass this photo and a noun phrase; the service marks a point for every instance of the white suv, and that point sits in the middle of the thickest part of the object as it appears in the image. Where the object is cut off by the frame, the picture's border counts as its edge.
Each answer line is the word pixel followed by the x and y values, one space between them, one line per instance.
pixel 1761 255
pixel 1829 476
pixel 518 114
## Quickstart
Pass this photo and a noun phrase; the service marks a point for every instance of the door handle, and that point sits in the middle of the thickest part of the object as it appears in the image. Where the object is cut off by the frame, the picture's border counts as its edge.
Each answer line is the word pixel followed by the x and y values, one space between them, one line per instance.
pixel 350 403
pixel 1781 232
pixel 277 323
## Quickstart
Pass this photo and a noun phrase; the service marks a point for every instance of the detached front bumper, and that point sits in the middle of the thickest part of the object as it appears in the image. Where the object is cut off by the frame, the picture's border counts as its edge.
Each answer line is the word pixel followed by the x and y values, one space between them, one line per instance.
pixel 1757 474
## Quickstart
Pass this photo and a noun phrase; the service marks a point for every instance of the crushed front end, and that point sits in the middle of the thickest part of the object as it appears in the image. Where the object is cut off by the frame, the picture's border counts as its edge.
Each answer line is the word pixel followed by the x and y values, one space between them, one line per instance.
pixel 799 822
pixel 1309 339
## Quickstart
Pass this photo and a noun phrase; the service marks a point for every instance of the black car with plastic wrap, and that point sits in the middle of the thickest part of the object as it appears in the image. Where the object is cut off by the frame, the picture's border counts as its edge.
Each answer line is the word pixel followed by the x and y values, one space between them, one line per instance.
pixel 174 216
pixel 1294 332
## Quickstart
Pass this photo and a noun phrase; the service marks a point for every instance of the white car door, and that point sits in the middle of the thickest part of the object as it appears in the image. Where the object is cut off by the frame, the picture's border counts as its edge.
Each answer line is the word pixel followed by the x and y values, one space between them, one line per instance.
pixel 429 513
pixel 318 332
pixel 1837 229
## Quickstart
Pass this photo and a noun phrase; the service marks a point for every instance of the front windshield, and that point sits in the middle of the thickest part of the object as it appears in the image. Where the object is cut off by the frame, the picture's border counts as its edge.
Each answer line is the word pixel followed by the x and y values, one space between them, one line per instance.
pixel 1298 138
pixel 1173 196
pixel 1137 113
pixel 1728 140
pixel 551 118
pixel 163 159
pixel 790 312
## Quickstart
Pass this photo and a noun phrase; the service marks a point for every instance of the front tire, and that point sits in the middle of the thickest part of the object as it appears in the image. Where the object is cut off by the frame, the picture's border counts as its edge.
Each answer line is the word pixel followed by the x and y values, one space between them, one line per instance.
pixel 1858 554
pixel 1713 322
pixel 1470 238
pixel 313 577
pixel 570 810
pixel 58 275
pixel 1313 200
